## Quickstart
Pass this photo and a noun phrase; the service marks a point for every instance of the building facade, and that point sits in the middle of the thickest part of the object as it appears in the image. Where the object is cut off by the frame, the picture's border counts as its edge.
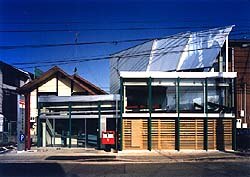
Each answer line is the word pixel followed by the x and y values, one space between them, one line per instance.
pixel 55 84
pixel 177 92
pixel 11 79
pixel 239 57
pixel 178 110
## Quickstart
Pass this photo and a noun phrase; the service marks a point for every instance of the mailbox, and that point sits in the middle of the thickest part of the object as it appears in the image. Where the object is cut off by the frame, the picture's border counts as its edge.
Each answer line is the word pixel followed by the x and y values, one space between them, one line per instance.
pixel 108 137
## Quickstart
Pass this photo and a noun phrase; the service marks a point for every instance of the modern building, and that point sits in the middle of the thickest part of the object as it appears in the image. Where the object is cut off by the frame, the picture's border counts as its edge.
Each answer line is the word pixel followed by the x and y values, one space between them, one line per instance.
pixel 11 78
pixel 64 110
pixel 176 92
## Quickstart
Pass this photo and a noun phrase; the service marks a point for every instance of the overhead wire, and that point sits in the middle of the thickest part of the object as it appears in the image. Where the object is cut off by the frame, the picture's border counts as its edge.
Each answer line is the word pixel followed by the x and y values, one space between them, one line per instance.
pixel 6 47
pixel 136 54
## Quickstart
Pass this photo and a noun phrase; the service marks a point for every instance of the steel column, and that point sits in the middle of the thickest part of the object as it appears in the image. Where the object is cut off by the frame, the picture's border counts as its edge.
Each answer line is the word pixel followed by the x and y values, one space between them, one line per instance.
pixel 121 112
pixel 177 123
pixel 70 122
pixel 150 112
pixel 39 125
pixel 99 126
pixel 206 118
pixel 234 106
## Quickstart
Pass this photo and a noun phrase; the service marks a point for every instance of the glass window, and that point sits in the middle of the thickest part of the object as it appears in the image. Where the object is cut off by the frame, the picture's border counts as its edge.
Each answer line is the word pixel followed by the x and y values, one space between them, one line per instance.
pixel 192 95
pixel 163 99
pixel 136 98
pixel 219 95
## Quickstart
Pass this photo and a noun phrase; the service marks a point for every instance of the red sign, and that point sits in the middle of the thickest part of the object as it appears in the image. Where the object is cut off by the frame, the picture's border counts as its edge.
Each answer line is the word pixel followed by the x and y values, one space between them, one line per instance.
pixel 108 137
pixel 22 102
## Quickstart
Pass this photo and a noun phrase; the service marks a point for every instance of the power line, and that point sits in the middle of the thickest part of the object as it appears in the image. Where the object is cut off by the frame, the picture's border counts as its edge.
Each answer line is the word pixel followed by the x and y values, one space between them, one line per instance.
pixel 100 29
pixel 93 43
pixel 108 57
pixel 131 54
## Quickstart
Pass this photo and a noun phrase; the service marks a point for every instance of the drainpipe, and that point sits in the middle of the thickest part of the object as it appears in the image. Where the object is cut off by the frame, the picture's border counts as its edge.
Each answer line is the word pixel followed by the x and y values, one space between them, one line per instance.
pixel 232 59
pixel 226 54
pixel 220 64
pixel 245 103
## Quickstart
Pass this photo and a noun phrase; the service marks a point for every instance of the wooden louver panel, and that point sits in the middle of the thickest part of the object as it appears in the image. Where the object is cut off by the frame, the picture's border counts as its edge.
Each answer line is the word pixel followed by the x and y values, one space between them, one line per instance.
pixel 163 134
pixel 192 134
pixel 135 134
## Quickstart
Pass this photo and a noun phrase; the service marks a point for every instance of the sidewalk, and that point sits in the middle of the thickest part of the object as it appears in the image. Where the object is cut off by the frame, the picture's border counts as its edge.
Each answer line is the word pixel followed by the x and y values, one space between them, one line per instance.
pixel 76 155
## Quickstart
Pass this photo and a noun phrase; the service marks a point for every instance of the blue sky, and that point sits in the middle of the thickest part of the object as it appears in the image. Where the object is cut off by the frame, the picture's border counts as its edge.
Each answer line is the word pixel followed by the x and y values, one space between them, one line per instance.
pixel 77 17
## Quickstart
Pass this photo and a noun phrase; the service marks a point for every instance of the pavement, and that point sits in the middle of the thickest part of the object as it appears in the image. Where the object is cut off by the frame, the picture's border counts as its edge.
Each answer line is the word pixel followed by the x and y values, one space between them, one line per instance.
pixel 77 155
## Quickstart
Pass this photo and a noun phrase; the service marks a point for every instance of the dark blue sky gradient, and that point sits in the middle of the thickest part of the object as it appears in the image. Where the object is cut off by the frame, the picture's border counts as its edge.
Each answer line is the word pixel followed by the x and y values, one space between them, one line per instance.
pixel 71 15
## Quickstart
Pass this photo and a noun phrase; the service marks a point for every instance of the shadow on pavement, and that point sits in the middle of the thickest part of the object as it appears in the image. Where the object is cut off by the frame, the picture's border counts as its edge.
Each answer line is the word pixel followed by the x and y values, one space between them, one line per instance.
pixel 239 153
pixel 83 158
pixel 31 169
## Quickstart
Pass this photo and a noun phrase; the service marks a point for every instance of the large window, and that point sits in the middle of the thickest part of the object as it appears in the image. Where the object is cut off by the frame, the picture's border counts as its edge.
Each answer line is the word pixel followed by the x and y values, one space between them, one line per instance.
pixel 191 95
pixel 164 95
pixel 137 98
pixel 219 95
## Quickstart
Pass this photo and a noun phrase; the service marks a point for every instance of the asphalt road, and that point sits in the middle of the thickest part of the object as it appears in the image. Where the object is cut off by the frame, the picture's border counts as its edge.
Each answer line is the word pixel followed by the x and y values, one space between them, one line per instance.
pixel 115 169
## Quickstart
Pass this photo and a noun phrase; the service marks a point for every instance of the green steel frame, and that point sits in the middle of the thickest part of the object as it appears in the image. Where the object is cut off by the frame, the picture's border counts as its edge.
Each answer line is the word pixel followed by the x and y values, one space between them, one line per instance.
pixel 121 112
pixel 99 126
pixel 70 122
pixel 150 112
pixel 177 123
pixel 206 118
pixel 38 125
pixel 234 102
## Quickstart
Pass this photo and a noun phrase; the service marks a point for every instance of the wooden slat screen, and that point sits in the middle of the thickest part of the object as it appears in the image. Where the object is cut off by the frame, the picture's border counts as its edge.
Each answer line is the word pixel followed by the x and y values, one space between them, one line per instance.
pixel 212 134
pixel 163 134
pixel 135 134
pixel 227 134
pixel 191 134
pixel 220 134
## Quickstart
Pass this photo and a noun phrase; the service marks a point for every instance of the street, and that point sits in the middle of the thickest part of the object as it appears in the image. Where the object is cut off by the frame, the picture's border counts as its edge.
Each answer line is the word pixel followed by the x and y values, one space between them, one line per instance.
pixel 187 169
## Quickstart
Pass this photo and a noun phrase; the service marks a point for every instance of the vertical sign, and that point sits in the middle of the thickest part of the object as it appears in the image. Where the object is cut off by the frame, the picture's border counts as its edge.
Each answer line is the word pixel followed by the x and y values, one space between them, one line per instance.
pixel 20 123
pixel 1 123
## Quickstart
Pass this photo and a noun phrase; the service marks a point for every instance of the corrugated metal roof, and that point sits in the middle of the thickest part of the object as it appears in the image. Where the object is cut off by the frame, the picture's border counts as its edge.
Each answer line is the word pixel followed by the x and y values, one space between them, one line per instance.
pixel 186 51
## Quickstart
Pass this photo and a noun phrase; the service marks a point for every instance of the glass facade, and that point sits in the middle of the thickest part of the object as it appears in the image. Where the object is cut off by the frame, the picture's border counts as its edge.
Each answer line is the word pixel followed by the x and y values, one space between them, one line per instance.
pixel 193 94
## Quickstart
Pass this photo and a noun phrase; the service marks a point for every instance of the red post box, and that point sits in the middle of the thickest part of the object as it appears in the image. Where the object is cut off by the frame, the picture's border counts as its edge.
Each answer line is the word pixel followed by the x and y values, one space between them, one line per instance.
pixel 108 137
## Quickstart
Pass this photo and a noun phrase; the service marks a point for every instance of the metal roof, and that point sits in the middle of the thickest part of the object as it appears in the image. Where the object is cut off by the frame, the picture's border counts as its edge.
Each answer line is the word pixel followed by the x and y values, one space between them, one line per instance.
pixel 186 51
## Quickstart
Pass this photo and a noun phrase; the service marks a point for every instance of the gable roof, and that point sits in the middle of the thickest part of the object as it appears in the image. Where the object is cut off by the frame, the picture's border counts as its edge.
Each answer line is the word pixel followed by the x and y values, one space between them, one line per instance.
pixel 82 83
pixel 86 83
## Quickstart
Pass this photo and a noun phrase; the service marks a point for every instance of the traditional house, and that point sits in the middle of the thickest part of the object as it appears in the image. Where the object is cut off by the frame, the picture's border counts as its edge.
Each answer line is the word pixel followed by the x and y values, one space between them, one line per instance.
pixel 55 111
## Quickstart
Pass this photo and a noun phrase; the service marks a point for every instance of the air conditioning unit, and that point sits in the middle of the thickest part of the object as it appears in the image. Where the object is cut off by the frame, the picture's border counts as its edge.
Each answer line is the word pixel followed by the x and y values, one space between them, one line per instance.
pixel 244 125
pixel 238 123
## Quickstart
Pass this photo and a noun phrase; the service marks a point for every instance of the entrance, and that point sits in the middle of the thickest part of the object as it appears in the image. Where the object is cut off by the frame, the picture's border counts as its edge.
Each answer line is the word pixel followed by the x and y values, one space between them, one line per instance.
pixel 58 132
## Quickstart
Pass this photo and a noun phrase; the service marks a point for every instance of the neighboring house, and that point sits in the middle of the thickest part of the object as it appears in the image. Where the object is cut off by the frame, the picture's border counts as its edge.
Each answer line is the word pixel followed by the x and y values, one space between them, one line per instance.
pixel 49 116
pixel 239 61
pixel 176 92
pixel 11 79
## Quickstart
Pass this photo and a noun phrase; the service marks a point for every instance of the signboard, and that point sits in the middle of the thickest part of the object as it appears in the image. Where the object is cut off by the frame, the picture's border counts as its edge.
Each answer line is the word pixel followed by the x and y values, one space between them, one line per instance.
pixel 21 103
pixel 108 137
pixel 20 123
pixel 22 138
pixel 1 123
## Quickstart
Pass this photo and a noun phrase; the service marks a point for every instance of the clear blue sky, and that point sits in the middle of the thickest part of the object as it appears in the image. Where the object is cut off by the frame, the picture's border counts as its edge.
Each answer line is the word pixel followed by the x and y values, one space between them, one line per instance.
pixel 92 21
